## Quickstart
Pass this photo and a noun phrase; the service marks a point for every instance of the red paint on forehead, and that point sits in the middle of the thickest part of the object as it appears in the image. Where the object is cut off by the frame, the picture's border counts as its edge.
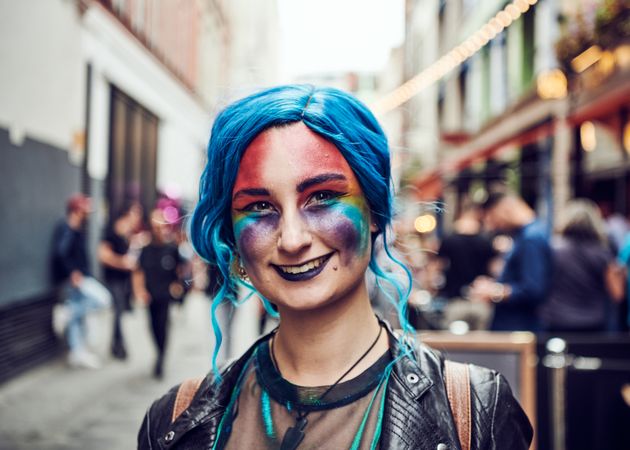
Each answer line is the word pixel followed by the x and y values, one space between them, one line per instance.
pixel 291 153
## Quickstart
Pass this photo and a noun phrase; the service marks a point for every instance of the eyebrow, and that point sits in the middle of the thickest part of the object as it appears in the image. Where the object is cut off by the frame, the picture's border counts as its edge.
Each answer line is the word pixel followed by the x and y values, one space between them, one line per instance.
pixel 319 179
pixel 251 192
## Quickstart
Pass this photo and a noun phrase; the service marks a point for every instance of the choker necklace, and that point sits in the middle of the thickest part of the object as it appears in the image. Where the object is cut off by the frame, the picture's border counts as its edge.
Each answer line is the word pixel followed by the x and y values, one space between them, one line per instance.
pixel 295 434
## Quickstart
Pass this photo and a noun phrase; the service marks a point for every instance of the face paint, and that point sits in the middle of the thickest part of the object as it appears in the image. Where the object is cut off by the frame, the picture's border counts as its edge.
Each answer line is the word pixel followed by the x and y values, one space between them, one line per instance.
pixel 300 220
pixel 250 229
pixel 345 220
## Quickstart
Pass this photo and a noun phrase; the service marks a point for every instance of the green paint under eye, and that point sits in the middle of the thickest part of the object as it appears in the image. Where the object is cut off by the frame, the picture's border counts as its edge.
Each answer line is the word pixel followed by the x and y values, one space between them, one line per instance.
pixel 356 210
pixel 240 220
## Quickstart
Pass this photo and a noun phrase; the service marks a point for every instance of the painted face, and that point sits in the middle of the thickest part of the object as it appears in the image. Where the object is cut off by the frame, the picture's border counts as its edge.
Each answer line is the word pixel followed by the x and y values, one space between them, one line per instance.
pixel 301 223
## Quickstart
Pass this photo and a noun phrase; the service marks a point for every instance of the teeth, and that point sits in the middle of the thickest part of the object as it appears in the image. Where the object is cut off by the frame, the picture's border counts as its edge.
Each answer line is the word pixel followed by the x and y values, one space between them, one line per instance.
pixel 304 267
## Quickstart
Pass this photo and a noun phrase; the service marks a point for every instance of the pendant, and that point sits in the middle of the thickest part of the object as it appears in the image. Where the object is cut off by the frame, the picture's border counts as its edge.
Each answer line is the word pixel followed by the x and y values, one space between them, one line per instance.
pixel 294 435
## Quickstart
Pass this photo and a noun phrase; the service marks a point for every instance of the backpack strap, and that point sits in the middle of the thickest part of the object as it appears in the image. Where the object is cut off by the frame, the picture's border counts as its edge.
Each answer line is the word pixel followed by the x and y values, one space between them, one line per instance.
pixel 457 377
pixel 185 393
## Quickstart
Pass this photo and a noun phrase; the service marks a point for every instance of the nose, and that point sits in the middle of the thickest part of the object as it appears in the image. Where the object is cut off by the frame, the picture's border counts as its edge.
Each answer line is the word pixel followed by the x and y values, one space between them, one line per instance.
pixel 294 233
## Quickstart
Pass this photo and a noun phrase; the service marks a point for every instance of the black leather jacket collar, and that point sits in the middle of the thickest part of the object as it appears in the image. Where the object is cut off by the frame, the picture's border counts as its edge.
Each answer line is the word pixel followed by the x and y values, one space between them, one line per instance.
pixel 417 413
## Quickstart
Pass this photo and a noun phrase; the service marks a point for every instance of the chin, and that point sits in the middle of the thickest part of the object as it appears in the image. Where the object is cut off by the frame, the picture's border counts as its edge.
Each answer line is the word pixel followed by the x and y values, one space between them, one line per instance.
pixel 315 298
pixel 302 302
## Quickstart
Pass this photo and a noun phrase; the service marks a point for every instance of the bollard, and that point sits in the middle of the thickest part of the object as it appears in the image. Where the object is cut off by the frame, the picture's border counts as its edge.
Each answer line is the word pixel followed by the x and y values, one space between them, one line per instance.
pixel 557 360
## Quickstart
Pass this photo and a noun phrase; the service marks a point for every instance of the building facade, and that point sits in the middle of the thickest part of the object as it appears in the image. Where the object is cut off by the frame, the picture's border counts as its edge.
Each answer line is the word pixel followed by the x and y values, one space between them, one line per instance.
pixel 113 98
pixel 512 113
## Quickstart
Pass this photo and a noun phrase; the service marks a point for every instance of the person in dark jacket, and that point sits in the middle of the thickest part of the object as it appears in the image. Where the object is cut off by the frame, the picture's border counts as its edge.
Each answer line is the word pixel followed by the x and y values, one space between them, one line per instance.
pixel 83 293
pixel 296 189
pixel 586 280
pixel 524 283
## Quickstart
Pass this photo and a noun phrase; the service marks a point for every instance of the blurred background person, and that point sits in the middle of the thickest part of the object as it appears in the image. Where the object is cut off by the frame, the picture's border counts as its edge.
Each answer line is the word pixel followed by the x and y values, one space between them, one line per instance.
pixel 156 282
pixel 118 262
pixel 524 282
pixel 464 255
pixel 173 213
pixel 623 259
pixel 82 292
pixel 616 224
pixel 585 276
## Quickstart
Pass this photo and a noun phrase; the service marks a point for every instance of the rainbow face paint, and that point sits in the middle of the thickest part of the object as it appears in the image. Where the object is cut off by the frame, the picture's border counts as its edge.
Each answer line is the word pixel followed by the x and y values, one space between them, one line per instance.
pixel 300 220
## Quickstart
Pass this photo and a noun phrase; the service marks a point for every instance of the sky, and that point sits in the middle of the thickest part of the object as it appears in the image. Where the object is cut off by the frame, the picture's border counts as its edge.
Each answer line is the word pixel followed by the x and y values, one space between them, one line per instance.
pixel 324 36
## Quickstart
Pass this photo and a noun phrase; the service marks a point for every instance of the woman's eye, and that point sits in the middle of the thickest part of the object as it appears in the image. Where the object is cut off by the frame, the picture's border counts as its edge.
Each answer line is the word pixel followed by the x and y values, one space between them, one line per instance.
pixel 258 207
pixel 323 196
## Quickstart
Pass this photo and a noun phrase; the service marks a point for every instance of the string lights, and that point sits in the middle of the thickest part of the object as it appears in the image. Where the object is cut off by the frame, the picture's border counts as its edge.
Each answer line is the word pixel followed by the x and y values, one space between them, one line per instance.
pixel 454 58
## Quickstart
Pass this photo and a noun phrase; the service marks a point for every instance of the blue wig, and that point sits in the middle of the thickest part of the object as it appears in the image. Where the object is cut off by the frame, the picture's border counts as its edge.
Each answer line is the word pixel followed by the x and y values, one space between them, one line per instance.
pixel 334 115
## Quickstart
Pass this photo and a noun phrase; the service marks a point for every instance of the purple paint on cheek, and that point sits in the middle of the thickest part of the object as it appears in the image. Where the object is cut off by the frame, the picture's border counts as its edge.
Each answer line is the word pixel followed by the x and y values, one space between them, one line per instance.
pixel 346 233
pixel 255 237
pixel 340 232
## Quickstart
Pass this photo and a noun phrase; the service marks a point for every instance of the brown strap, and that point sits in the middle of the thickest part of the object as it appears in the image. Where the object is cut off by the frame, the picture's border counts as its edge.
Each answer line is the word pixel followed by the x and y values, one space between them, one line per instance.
pixel 458 391
pixel 185 394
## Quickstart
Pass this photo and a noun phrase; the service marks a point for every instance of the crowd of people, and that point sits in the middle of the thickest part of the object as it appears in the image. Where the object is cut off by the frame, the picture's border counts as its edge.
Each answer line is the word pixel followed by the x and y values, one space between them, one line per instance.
pixel 501 269
pixel 148 262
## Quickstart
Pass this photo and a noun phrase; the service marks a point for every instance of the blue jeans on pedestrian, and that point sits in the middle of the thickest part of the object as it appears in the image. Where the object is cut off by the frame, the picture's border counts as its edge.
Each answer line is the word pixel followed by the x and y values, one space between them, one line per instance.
pixel 89 296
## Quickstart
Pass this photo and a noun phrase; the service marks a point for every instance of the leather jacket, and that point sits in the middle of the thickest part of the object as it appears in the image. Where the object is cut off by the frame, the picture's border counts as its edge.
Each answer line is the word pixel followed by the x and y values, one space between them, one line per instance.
pixel 417 413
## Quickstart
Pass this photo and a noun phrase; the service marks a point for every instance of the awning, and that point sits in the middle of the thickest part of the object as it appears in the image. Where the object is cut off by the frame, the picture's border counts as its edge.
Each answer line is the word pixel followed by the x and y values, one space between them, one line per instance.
pixel 602 105
pixel 430 183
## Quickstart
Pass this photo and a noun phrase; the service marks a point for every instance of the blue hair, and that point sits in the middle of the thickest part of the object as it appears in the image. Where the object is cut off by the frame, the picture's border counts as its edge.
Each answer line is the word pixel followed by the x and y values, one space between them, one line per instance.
pixel 331 113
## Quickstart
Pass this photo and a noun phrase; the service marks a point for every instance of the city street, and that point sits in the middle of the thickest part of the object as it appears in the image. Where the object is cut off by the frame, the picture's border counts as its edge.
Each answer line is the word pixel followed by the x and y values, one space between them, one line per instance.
pixel 54 407
pixel 469 160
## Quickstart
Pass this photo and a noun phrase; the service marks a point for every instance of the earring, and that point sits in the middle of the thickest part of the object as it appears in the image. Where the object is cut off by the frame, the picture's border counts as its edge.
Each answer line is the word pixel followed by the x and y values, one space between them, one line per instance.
pixel 238 269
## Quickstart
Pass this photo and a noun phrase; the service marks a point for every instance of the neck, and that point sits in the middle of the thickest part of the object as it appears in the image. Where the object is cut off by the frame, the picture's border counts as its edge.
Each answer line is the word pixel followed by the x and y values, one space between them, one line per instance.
pixel 314 348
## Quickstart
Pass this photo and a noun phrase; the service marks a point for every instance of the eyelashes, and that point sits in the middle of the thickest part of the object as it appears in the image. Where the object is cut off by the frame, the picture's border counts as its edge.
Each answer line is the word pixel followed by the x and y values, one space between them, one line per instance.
pixel 324 198
pixel 257 207
pixel 317 200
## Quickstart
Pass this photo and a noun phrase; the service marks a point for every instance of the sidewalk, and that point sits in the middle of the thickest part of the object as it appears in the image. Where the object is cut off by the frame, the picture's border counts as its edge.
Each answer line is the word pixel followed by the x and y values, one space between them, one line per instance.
pixel 55 407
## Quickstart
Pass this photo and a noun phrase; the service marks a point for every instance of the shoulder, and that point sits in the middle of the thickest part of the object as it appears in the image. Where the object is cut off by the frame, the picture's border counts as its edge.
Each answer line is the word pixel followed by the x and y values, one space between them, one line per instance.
pixel 433 361
pixel 159 418
pixel 208 402
pixel 486 384
pixel 598 252
pixel 147 251
pixel 62 229
pixel 535 231
pixel 108 234
pixel 497 418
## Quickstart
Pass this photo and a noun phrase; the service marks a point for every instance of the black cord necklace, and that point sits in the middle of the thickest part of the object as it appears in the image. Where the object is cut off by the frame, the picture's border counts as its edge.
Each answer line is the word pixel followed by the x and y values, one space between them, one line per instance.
pixel 295 434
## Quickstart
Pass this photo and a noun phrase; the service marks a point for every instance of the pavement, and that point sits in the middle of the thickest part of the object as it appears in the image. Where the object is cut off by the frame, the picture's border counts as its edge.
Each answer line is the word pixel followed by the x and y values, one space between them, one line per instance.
pixel 54 407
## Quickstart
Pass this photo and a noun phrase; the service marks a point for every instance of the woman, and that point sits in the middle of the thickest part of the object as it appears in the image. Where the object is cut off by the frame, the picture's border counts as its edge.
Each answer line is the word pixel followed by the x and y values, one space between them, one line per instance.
pixel 585 276
pixel 156 282
pixel 296 189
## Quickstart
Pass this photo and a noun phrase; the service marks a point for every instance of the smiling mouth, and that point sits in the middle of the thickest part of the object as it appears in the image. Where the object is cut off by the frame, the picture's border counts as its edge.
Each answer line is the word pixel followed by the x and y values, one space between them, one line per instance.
pixel 302 272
